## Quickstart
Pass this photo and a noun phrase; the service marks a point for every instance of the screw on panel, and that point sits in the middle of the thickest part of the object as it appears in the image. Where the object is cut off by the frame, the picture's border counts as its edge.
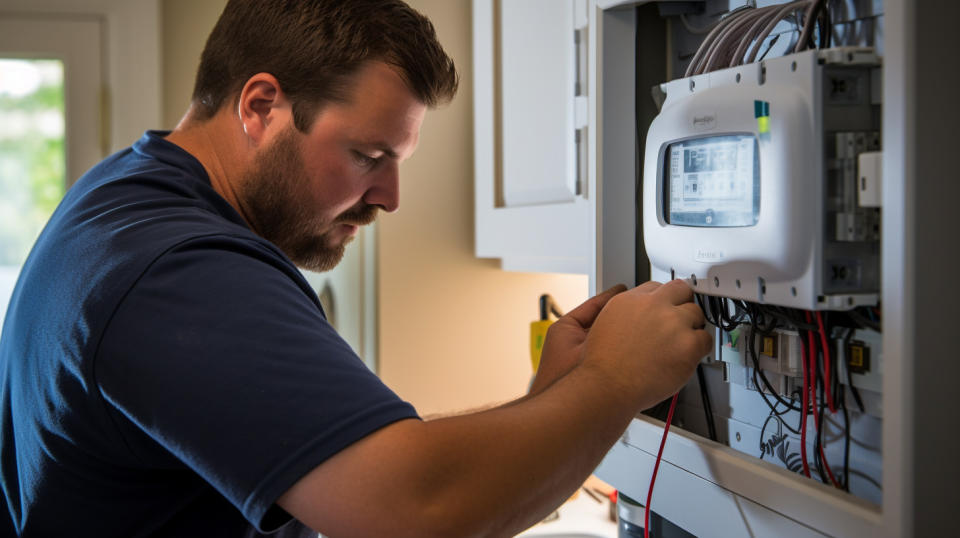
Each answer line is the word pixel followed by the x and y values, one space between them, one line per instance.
pixel 738 436
pixel 738 78
pixel 716 282
pixel 793 66
pixel 762 288
pixel 738 283
pixel 692 84
pixel 793 291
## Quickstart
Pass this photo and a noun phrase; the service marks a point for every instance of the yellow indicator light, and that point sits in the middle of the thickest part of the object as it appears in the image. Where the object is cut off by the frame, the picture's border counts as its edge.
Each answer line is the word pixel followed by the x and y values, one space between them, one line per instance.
pixel 763 124
pixel 768 346
pixel 856 356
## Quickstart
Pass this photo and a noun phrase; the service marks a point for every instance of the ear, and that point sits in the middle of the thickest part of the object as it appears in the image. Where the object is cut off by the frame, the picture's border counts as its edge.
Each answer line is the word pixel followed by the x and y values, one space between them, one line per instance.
pixel 262 107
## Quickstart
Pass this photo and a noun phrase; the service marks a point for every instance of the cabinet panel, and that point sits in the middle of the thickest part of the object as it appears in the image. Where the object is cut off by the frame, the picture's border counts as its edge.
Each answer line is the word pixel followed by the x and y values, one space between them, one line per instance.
pixel 537 88
pixel 530 142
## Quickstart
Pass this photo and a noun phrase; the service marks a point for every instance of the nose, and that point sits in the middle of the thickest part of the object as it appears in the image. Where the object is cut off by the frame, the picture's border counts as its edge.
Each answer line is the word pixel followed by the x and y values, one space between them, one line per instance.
pixel 384 192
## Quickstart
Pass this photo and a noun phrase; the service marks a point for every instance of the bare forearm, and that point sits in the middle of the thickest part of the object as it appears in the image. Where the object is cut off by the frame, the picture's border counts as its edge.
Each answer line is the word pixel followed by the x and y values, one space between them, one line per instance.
pixel 502 470
pixel 496 472
pixel 491 473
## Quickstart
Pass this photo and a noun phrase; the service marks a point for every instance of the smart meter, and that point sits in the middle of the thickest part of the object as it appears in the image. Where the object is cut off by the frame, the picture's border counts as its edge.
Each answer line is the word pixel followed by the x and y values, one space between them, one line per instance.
pixel 750 186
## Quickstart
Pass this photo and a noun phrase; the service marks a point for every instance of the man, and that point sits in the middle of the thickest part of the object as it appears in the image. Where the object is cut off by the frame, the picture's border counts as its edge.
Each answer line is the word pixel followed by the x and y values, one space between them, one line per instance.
pixel 167 371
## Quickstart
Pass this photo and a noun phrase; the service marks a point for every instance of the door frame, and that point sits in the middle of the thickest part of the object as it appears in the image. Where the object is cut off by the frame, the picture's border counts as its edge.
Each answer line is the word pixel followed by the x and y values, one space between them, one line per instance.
pixel 131 100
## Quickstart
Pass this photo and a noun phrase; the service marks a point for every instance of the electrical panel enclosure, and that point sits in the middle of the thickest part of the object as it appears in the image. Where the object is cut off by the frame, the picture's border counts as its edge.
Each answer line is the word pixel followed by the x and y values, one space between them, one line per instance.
pixel 750 188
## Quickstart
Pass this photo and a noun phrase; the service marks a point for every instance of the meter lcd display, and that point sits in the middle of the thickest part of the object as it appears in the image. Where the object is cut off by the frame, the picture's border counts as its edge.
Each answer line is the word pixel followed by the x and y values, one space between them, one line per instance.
pixel 712 181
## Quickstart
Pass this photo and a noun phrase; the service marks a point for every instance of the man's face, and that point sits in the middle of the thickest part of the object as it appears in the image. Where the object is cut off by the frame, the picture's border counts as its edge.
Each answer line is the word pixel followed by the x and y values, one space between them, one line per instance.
pixel 308 193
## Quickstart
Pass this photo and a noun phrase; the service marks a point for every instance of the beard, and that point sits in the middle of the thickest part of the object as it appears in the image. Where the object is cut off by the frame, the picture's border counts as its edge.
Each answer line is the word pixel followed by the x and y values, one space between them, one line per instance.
pixel 277 201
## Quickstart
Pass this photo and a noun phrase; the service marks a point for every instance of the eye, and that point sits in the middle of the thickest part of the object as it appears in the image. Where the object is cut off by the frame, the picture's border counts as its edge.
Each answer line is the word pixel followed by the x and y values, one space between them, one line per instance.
pixel 364 160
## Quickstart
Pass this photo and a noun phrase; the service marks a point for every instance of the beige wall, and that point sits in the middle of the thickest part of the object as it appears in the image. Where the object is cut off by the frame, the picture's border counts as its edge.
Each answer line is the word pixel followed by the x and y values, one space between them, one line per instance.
pixel 453 330
pixel 185 26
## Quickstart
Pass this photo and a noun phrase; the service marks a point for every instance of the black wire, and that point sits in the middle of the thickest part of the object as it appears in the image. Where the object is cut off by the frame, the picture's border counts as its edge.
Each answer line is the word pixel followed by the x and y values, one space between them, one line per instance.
pixel 759 317
pixel 846 441
pixel 707 315
pixel 819 445
pixel 732 321
pixel 710 310
pixel 834 364
pixel 827 331
pixel 763 429
pixel 758 372
pixel 780 424
pixel 863 321
pixel 825 26
pixel 790 316
pixel 549 306
pixel 769 47
pixel 818 438
pixel 707 408
pixel 762 320
pixel 816 17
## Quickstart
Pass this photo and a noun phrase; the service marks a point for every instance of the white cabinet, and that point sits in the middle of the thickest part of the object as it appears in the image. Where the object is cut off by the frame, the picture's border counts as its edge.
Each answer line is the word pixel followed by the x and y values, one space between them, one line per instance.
pixel 530 124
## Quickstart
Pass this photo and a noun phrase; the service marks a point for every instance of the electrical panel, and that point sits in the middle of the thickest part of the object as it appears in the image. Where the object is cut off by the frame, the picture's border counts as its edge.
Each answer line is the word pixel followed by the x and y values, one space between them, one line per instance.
pixel 759 183
pixel 751 194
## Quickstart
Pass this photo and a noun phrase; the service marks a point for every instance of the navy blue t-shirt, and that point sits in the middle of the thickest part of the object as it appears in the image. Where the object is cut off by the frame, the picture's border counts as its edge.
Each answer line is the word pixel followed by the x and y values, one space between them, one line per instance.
pixel 163 370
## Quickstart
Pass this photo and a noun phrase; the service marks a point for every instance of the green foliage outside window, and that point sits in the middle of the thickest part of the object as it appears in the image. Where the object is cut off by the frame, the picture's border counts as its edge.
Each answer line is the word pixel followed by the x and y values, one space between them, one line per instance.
pixel 32 162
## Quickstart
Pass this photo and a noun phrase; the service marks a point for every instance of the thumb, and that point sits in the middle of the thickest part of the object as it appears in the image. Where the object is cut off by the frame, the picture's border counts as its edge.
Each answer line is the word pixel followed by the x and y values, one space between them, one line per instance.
pixel 588 311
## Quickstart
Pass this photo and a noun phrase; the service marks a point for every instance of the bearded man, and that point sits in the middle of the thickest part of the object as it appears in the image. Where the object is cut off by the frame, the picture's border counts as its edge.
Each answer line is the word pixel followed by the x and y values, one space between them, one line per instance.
pixel 165 369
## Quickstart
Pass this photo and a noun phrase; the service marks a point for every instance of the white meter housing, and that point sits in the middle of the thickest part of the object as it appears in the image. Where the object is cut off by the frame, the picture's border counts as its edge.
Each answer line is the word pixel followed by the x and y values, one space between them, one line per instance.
pixel 749 190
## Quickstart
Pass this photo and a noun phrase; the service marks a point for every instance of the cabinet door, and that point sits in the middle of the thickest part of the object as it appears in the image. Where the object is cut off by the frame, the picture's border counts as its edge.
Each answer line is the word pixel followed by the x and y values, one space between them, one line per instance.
pixel 530 122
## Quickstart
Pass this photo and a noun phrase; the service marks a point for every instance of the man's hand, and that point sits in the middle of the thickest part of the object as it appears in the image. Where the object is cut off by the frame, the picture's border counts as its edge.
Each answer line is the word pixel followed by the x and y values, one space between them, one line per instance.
pixel 496 472
pixel 648 341
pixel 563 347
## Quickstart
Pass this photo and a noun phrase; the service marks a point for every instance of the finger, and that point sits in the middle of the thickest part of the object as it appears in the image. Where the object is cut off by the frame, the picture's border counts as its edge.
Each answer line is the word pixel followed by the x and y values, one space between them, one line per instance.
pixel 588 311
pixel 694 314
pixel 703 342
pixel 648 286
pixel 676 291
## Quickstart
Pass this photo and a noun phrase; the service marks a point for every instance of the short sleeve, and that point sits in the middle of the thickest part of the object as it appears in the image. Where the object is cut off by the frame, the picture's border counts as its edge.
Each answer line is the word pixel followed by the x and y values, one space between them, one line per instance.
pixel 221 355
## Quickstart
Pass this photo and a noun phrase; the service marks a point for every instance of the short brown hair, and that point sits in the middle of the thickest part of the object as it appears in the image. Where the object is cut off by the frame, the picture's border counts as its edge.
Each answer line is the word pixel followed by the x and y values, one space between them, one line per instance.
pixel 313 47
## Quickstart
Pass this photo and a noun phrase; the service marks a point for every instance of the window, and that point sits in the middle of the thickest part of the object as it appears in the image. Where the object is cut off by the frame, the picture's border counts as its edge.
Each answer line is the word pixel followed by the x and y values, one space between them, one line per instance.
pixel 32 158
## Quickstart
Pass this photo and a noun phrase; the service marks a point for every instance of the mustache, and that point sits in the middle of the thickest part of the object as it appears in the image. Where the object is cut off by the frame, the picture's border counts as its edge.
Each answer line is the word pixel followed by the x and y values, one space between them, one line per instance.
pixel 360 215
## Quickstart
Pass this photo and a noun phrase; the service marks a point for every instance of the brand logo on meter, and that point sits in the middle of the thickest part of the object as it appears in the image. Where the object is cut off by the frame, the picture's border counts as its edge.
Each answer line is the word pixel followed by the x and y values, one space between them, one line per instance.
pixel 705 255
pixel 704 122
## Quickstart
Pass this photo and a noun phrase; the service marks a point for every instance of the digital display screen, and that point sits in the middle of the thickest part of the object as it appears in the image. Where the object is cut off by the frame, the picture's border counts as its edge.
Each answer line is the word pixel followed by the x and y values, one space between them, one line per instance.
pixel 712 181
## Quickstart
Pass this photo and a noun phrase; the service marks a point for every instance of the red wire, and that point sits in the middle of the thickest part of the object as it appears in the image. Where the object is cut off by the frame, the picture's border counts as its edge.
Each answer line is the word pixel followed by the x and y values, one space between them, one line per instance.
pixel 656 466
pixel 826 466
pixel 823 456
pixel 812 367
pixel 826 364
pixel 806 401
pixel 813 396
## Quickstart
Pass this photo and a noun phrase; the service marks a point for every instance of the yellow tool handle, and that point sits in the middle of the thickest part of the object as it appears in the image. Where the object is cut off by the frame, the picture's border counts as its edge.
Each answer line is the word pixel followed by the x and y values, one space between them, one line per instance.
pixel 538 333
